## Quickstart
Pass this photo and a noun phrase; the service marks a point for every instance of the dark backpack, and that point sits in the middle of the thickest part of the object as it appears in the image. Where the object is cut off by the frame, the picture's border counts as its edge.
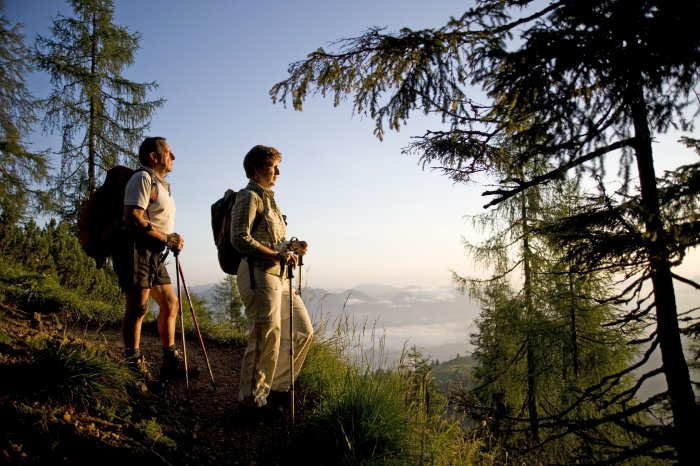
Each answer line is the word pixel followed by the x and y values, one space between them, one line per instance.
pixel 229 256
pixel 101 217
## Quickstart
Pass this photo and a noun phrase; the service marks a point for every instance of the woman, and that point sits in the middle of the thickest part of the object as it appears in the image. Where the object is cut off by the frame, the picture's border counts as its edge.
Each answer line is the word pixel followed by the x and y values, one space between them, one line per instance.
pixel 258 231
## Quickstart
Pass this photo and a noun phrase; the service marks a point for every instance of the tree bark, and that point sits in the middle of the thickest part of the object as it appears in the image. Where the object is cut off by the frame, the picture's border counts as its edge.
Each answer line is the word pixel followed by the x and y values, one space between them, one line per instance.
pixel 683 407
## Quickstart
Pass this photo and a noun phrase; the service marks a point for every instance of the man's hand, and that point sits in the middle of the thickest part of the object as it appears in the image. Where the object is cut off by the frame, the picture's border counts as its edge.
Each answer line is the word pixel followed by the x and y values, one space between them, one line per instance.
pixel 175 242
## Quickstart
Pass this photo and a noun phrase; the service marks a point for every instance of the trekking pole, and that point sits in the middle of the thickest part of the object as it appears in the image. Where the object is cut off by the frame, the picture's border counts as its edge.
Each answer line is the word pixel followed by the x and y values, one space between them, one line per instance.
pixel 300 261
pixel 290 275
pixel 182 327
pixel 196 325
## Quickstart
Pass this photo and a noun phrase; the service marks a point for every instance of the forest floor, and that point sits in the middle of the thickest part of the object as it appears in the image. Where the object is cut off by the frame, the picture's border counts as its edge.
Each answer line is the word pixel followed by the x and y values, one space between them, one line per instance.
pixel 199 426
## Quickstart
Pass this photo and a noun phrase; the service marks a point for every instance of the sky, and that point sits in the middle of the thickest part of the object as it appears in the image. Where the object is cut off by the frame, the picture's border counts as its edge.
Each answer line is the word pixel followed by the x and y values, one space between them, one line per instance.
pixel 369 213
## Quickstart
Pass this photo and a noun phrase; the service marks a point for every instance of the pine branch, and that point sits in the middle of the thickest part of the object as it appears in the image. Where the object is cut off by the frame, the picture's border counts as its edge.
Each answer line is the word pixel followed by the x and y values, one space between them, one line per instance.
pixel 555 174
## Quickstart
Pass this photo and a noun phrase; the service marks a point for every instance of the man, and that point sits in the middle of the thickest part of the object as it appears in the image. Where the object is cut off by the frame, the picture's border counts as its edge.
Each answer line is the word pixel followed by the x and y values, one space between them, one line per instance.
pixel 149 218
pixel 264 288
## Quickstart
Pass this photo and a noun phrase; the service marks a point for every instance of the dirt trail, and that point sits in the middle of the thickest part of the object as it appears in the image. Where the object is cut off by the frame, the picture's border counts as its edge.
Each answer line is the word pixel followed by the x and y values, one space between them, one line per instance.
pixel 207 427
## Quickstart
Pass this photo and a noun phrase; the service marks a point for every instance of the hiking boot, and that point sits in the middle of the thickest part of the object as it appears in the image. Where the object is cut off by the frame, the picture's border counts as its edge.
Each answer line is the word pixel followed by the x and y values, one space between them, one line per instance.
pixel 174 366
pixel 279 398
pixel 140 367
pixel 251 413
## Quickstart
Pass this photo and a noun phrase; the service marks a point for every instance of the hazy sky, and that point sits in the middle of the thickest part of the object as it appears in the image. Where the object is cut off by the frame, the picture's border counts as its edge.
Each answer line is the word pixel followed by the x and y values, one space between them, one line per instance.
pixel 369 213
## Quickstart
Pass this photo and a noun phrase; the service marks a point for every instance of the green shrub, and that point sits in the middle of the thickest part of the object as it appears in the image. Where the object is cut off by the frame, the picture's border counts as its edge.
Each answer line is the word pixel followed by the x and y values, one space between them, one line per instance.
pixel 43 293
pixel 152 434
pixel 53 250
pixel 219 332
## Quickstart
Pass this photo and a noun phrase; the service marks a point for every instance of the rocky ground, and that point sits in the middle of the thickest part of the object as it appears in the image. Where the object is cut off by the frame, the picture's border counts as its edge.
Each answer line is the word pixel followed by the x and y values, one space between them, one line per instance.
pixel 203 422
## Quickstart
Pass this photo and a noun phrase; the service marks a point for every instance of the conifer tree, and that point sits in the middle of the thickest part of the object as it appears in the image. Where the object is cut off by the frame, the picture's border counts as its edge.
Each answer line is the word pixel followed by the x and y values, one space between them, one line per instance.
pixel 543 350
pixel 227 301
pixel 200 304
pixel 100 114
pixel 581 81
pixel 21 170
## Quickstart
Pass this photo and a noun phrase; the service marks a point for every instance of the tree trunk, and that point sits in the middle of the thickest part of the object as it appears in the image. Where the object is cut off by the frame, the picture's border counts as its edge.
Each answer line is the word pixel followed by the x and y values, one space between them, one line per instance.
pixel 683 407
pixel 530 342
pixel 92 182
pixel 572 323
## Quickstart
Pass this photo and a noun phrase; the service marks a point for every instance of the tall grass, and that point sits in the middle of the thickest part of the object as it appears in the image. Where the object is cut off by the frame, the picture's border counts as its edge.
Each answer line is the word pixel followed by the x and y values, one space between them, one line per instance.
pixel 73 374
pixel 365 413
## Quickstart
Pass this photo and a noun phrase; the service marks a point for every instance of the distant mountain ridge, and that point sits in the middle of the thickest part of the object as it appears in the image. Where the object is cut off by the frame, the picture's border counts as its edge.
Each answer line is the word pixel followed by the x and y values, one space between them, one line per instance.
pixel 437 321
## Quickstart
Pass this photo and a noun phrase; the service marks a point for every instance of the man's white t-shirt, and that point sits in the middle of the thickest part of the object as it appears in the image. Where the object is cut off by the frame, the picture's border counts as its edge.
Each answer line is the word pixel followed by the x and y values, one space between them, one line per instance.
pixel 138 192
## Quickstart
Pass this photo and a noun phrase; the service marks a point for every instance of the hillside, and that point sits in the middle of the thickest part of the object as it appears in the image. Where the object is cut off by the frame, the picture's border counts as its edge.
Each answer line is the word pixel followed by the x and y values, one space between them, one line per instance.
pixel 162 428
pixel 453 373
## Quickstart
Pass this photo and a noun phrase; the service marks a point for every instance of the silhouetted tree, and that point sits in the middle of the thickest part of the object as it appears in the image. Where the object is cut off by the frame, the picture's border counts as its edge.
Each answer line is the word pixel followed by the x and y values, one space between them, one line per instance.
pixel 583 80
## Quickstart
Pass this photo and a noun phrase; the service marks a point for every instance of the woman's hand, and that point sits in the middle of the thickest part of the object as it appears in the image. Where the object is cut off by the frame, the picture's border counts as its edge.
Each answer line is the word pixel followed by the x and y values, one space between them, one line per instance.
pixel 288 258
pixel 297 246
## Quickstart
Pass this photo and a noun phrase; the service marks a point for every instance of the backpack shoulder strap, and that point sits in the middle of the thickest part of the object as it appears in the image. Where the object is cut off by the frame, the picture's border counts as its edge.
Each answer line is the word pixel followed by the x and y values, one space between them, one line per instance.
pixel 154 186
pixel 258 213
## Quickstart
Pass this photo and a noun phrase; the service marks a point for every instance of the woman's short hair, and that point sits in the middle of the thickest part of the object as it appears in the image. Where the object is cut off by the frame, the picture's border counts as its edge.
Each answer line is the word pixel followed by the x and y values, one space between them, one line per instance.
pixel 150 144
pixel 257 158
